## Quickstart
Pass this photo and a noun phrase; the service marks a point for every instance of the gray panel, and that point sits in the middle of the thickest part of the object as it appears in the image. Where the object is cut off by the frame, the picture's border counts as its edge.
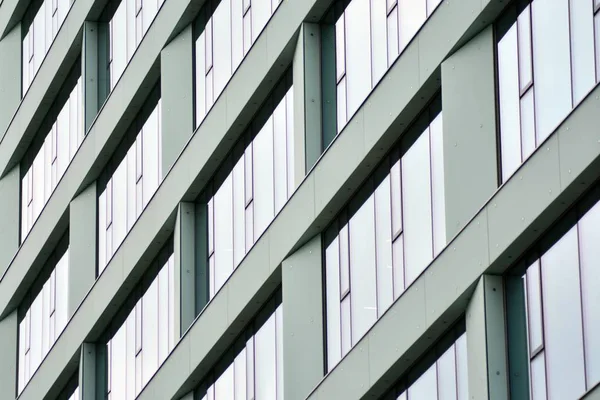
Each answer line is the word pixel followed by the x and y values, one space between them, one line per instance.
pixel 302 283
pixel 469 118
pixel 593 394
pixel 530 190
pixel 9 329
pixel 87 372
pixel 10 190
pixel 177 88
pixel 82 246
pixel 10 76
pixel 90 63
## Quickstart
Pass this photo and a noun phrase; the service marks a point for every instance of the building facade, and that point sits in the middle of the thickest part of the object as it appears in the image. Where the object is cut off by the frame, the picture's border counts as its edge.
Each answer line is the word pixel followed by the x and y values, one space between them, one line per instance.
pixel 299 199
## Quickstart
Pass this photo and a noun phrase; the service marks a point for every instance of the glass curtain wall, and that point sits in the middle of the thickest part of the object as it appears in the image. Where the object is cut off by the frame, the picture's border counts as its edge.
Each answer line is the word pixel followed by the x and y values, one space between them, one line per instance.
pixel 253 367
pixel 441 375
pixel 548 61
pixel 49 156
pixel 42 22
pixel 132 177
pixel 43 313
pixel 387 235
pixel 225 30
pixel 553 299
pixel 369 37
pixel 251 187
pixel 128 22
pixel 146 334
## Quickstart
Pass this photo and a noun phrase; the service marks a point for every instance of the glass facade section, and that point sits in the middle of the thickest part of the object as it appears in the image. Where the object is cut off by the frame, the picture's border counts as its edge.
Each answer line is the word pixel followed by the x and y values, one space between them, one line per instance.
pixel 43 314
pixel 442 374
pixel 42 24
pixel 251 187
pixel 126 29
pixel 147 335
pixel 547 64
pixel 46 163
pixel 369 36
pixel 130 187
pixel 389 233
pixel 253 367
pixel 225 29
pixel 554 302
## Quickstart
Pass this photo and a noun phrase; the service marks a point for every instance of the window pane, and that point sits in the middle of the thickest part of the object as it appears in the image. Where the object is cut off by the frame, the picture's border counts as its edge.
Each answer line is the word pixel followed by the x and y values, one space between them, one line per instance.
pixel 562 319
pixel 383 242
pixel 150 332
pixel 524 34
pixel 425 388
pixel 437 185
pixel 398 255
pixel 344 260
pixel 396 198
pixel 534 307
pixel 392 36
pixel 589 231
pixel 446 365
pixel 289 104
pixel 240 376
pixel 342 117
pixel 362 270
pixel 416 196
pixel 333 303
pixel 237 33
pixel 378 39
pixel 551 64
pixel 582 48
pixel 265 361
pixel 223 227
pixel 239 213
pixel 358 54
pixel 280 173
pixel 527 124
pixel 508 88
pixel 538 378
pixel 412 16
pixel 462 370
pixel 222 46
pixel 261 12
pixel 225 384
pixel 340 47
pixel 263 179
pixel 200 80
pixel 346 325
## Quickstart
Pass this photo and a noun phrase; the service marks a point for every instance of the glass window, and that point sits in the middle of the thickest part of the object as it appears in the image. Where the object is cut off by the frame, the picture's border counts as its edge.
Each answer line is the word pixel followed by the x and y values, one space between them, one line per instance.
pixel 252 368
pixel 358 54
pixel 582 48
pixel 249 189
pixel 385 237
pixel 131 186
pixel 44 314
pixel 141 343
pixel 51 160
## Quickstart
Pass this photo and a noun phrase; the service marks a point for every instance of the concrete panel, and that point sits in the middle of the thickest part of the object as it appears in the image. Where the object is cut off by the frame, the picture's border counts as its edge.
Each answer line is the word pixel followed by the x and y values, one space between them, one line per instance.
pixel 530 190
pixel 299 109
pixel 87 372
pixel 302 286
pixel 9 329
pixel 334 169
pixel 10 76
pixel 90 73
pixel 469 122
pixel 486 341
pixel 593 394
pixel 10 195
pixel 579 143
pixel 294 219
pixel 185 267
pixel 464 259
pixel 83 230
pixel 177 93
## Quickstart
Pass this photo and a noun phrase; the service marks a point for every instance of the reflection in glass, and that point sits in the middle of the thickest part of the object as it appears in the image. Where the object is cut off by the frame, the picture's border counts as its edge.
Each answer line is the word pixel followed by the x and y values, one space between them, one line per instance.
pixel 387 239
pixel 52 159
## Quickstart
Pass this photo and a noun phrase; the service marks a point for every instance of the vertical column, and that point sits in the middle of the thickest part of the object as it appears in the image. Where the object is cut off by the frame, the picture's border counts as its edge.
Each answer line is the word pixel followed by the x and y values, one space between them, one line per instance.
pixel 184 249
pixel 469 121
pixel 82 245
pixel 307 100
pixel 303 350
pixel 90 61
pixel 9 329
pixel 177 90
pixel 10 211
pixel 10 76
pixel 202 294
pixel 87 372
pixel 486 341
